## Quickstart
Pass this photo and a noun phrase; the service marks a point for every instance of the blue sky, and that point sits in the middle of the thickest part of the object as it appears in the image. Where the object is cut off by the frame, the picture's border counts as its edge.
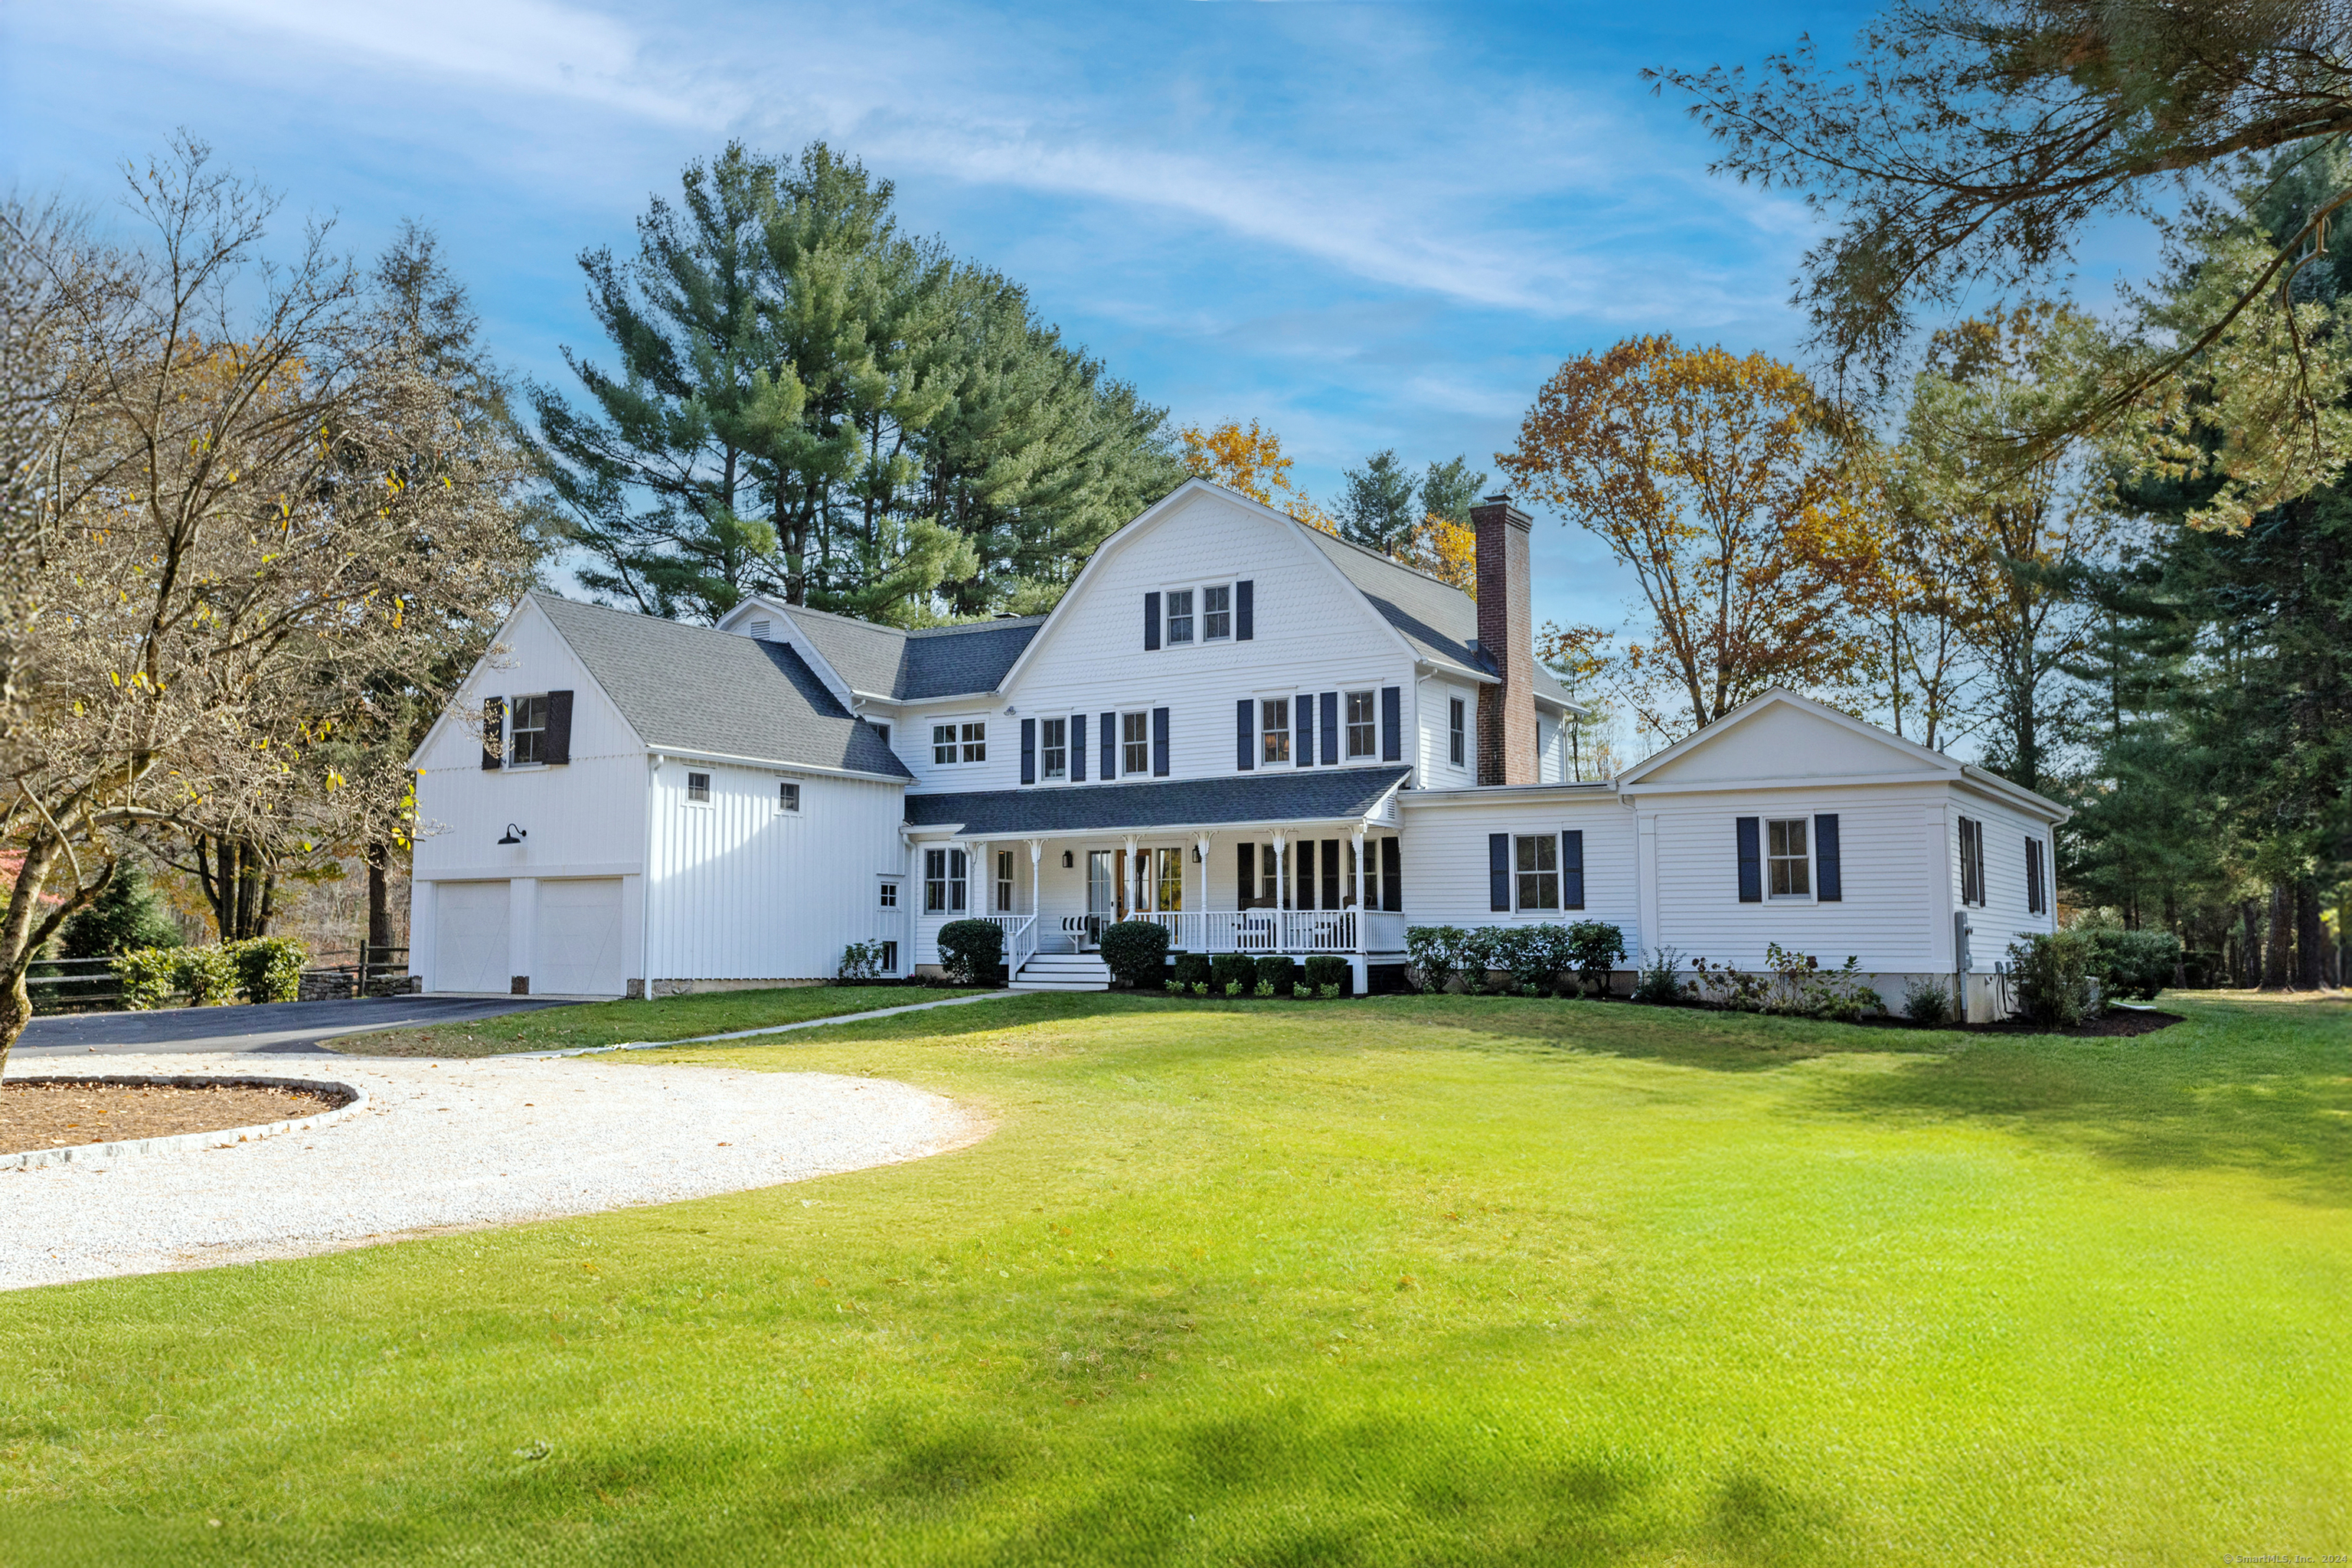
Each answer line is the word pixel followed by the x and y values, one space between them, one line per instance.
pixel 1367 226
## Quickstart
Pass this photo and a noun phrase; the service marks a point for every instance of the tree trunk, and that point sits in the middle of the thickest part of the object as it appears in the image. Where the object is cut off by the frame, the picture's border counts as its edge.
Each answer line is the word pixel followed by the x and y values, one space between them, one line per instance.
pixel 16 1012
pixel 379 895
pixel 2281 942
pixel 2250 946
pixel 2310 939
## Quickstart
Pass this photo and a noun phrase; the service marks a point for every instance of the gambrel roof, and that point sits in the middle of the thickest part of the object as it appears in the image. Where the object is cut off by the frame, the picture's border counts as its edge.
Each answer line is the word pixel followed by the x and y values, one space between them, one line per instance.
pixel 711 693
pixel 909 666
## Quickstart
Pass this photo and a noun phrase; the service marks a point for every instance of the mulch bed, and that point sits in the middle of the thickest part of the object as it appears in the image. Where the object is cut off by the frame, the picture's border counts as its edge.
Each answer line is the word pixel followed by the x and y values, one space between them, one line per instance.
pixel 35 1116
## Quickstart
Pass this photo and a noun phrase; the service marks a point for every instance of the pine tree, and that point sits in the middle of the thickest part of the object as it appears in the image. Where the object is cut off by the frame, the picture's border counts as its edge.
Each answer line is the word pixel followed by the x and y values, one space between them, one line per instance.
pixel 1377 509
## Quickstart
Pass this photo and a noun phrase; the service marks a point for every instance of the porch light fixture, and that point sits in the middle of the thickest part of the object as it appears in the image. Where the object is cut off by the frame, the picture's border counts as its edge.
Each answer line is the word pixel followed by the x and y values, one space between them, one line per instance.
pixel 1069 860
pixel 1196 853
pixel 514 834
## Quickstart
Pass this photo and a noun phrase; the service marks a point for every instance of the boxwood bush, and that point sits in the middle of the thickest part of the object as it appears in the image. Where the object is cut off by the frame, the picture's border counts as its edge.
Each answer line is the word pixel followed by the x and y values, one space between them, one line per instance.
pixel 1328 969
pixel 1277 970
pixel 1227 970
pixel 1136 952
pixel 972 952
pixel 1191 969
pixel 2135 963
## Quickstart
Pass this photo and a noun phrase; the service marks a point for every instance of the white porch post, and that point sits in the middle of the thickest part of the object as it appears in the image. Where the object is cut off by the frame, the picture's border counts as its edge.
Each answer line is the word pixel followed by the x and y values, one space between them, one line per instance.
pixel 1136 907
pixel 1359 967
pixel 1037 854
pixel 1281 931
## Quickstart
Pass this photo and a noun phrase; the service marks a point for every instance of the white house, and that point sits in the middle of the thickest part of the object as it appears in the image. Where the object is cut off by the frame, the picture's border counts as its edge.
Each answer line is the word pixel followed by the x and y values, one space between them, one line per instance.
pixel 1254 733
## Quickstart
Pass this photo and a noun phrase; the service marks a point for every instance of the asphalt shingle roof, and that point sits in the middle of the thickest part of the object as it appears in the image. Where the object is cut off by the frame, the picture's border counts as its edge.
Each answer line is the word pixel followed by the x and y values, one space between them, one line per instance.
pixel 1440 621
pixel 1302 794
pixel 697 689
pixel 932 661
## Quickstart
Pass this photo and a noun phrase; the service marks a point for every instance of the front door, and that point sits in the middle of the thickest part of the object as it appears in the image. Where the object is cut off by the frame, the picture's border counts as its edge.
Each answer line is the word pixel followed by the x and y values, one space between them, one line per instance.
pixel 1102 891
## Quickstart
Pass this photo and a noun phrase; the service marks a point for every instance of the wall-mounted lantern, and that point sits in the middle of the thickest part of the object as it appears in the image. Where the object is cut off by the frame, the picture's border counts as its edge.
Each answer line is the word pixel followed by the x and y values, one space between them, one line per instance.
pixel 1068 859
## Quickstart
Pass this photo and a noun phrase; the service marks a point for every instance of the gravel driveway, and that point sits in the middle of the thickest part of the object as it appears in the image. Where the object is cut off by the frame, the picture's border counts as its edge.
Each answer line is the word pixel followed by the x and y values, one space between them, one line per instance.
pixel 491 1142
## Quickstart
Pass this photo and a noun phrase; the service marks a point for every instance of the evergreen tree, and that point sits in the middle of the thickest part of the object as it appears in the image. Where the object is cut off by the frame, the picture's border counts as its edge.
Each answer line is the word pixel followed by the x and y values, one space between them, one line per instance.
pixel 1449 489
pixel 1377 509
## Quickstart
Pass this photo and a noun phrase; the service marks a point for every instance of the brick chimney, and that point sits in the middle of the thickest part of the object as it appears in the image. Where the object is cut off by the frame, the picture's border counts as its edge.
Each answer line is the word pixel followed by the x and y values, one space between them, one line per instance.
pixel 1507 714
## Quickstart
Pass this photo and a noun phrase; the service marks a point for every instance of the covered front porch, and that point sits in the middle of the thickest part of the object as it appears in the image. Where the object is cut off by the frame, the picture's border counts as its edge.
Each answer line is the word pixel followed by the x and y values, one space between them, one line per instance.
pixel 1323 880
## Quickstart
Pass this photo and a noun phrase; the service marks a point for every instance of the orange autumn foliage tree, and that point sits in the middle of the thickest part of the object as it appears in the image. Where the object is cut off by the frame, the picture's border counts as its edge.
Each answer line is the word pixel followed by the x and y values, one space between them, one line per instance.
pixel 1715 478
pixel 1251 460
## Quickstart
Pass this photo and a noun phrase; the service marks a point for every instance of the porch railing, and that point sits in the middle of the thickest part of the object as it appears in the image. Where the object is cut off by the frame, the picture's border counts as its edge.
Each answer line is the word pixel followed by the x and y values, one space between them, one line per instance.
pixel 1020 945
pixel 1280 930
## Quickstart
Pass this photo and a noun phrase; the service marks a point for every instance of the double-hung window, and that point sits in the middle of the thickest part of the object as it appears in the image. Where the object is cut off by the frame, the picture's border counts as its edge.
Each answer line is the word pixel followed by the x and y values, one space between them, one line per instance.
pixel 1537 864
pixel 1004 881
pixel 943 881
pixel 1789 865
pixel 529 731
pixel 943 745
pixel 1273 729
pixel 1364 725
pixel 1457 738
pixel 1135 742
pixel 1972 875
pixel 975 742
pixel 1217 612
pixel 1180 615
pixel 1056 748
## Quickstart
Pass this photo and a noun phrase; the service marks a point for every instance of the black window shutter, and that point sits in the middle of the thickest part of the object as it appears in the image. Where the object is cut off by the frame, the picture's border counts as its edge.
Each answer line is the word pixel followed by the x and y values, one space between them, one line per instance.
pixel 1247 888
pixel 1078 748
pixel 1332 896
pixel 1109 747
pixel 1160 742
pixel 559 726
pixel 1302 746
pixel 2033 875
pixel 1330 700
pixel 1244 624
pixel 1829 886
pixel 1392 725
pixel 1751 862
pixel 1245 716
pixel 1028 750
pixel 494 731
pixel 1150 622
pixel 1498 870
pixel 1571 869
pixel 1391 886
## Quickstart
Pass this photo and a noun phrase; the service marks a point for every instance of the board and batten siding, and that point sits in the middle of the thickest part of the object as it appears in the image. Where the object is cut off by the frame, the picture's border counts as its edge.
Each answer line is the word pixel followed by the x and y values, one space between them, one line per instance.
pixel 1446 868
pixel 740 891
pixel 585 818
pixel 1890 906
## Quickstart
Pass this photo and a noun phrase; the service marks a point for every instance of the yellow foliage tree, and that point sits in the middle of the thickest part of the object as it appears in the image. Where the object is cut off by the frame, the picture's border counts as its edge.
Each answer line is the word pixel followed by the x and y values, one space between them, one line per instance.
pixel 1250 459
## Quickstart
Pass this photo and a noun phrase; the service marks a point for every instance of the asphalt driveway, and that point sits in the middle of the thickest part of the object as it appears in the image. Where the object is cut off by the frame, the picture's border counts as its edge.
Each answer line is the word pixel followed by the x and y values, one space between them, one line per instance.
pixel 277 1028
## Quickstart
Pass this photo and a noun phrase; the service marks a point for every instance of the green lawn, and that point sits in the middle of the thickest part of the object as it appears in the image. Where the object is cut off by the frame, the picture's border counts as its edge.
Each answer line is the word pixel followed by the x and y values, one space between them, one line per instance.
pixel 1410 1281
pixel 613 1022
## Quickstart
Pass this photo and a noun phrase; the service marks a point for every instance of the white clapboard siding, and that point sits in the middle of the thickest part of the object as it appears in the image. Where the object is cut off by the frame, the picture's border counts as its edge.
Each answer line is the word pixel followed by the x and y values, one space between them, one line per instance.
pixel 2003 917
pixel 1888 915
pixel 1437 769
pixel 1445 854
pixel 739 890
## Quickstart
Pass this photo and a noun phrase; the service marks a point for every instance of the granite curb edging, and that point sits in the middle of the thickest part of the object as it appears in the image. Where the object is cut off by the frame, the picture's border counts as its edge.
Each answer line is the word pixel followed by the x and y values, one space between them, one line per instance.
pixel 177 1142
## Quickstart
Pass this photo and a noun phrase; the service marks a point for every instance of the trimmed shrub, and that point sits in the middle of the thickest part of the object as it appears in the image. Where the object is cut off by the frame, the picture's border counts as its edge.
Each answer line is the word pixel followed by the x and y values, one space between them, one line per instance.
pixel 1481 954
pixel 2053 978
pixel 1654 982
pixel 208 974
pixel 1595 948
pixel 1192 970
pixel 972 952
pixel 1229 969
pixel 861 961
pixel 1928 1002
pixel 1329 973
pixel 1433 955
pixel 147 977
pixel 269 968
pixel 2135 963
pixel 1136 952
pixel 1276 970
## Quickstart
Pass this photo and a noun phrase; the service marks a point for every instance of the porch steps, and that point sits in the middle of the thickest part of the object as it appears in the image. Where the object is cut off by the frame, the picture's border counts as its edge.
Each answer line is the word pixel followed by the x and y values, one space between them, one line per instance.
pixel 1064 971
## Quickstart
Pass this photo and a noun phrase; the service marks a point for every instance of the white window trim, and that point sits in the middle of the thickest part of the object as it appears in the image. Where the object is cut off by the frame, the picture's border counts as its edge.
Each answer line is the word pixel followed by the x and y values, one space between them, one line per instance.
pixel 793 809
pixel 709 795
pixel 956 724
pixel 1168 616
pixel 1346 730
pixel 1124 715
pixel 1201 613
pixel 507 717
pixel 1559 893
pixel 1290 728
pixel 1812 880
pixel 1044 777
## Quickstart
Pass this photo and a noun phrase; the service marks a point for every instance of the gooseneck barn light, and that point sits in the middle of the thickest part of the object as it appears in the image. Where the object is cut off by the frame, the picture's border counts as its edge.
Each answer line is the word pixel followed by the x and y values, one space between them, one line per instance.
pixel 514 834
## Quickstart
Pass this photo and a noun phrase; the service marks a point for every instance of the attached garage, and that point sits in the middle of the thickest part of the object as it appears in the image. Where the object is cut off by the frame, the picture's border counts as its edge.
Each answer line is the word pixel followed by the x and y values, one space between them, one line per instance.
pixel 579 939
pixel 470 937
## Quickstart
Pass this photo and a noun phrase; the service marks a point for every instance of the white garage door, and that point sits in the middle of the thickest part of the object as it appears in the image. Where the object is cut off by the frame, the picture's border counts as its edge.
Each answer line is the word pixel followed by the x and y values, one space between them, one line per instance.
pixel 470 937
pixel 579 939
